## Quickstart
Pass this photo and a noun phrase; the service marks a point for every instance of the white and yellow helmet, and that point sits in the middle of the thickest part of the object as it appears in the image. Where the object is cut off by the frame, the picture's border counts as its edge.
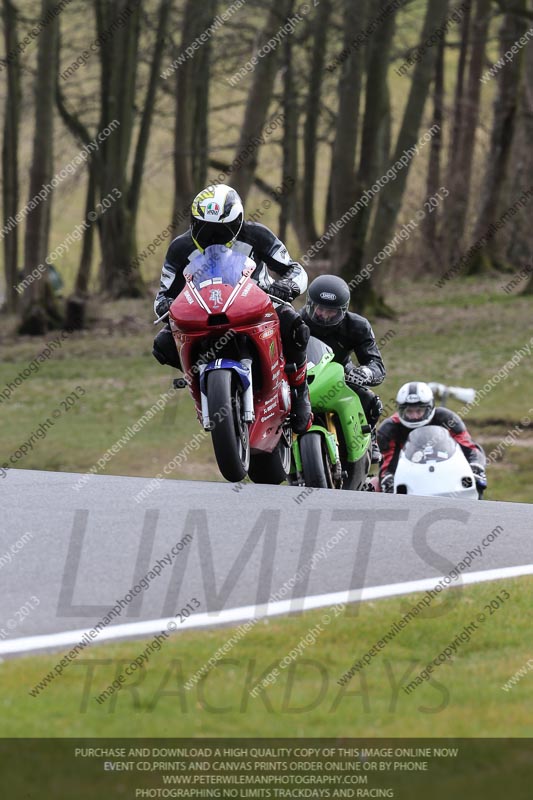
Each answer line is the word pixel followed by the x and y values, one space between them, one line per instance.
pixel 217 215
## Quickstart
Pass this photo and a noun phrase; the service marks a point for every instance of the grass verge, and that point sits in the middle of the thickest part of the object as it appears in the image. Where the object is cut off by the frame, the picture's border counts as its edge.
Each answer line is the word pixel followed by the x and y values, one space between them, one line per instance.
pixel 462 698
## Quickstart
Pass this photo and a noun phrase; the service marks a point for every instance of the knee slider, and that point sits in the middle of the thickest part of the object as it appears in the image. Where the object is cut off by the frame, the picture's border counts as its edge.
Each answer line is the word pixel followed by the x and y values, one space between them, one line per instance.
pixel 164 349
pixel 158 354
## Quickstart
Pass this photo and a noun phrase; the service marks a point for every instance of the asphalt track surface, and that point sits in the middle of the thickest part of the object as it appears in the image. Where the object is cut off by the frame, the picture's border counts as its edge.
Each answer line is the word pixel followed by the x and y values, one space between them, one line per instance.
pixel 233 549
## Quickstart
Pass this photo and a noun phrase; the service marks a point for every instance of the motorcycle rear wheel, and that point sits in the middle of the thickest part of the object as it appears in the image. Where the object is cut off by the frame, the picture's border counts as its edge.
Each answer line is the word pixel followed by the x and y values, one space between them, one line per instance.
pixel 229 434
pixel 271 468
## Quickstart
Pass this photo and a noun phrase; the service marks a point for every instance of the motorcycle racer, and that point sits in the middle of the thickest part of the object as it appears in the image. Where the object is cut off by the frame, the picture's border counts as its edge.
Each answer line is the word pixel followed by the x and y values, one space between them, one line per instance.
pixel 326 313
pixel 217 217
pixel 416 407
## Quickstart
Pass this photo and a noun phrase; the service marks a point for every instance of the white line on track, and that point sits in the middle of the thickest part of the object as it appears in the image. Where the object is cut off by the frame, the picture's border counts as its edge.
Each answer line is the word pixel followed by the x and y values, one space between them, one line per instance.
pixel 230 616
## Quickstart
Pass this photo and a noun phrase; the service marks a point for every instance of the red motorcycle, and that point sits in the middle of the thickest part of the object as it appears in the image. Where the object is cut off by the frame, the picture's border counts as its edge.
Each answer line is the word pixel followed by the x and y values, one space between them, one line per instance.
pixel 227 333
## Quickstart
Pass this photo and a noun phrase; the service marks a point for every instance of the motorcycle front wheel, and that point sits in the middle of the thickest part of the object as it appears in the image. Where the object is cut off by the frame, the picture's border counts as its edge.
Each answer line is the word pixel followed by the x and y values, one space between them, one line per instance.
pixel 315 463
pixel 229 432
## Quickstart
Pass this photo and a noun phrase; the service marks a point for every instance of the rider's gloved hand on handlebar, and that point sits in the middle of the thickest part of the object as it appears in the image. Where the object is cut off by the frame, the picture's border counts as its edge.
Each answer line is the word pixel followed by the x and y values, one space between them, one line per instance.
pixel 480 476
pixel 387 483
pixel 284 290
pixel 357 376
pixel 164 305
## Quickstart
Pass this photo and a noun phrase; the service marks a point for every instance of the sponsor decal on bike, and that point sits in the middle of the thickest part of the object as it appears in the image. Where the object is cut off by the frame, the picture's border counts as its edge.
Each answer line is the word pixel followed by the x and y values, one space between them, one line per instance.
pixel 271 404
pixel 267 334
pixel 215 297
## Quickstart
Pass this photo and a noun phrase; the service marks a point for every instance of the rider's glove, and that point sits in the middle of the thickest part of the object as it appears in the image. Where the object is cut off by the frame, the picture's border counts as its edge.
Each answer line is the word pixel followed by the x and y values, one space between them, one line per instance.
pixel 480 476
pixel 387 483
pixel 164 305
pixel 357 376
pixel 284 290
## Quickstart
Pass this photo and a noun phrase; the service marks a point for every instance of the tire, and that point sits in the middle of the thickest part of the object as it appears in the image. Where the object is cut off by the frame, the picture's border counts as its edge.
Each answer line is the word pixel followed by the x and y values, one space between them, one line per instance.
pixel 357 474
pixel 229 434
pixel 313 457
pixel 272 468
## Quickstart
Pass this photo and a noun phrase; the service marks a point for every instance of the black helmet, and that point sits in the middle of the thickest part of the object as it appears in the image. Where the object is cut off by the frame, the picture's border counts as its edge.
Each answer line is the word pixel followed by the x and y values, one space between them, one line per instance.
pixel 328 298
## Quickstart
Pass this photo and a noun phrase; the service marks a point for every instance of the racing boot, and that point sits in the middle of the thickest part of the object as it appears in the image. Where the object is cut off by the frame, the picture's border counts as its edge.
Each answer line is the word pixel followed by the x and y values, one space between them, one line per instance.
pixel 301 416
pixel 375 453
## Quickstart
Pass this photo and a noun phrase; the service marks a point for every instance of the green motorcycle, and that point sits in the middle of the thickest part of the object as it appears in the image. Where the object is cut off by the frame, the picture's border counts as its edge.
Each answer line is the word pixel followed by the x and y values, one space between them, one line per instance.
pixel 335 452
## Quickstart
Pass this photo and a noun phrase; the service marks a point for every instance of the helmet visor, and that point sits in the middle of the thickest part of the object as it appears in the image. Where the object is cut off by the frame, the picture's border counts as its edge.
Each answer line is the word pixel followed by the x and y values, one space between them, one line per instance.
pixel 415 412
pixel 207 233
pixel 325 316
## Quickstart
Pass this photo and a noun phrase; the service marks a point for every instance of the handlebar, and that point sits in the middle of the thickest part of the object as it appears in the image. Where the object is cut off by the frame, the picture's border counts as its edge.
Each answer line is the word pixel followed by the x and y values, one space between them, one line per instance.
pixel 160 319
pixel 278 300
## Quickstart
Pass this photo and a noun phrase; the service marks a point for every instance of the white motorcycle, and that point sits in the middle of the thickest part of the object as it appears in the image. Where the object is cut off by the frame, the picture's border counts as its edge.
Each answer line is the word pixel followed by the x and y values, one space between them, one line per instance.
pixel 431 463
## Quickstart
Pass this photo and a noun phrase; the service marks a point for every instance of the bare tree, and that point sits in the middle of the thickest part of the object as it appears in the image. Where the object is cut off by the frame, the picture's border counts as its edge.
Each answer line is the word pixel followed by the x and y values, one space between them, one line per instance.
pixel 291 118
pixel 192 110
pixel 375 134
pixel 459 99
pixel 345 146
pixel 10 183
pixel 39 310
pixel 391 195
pixel 503 130
pixel 462 157
pixel 258 100
pixel 430 224
pixel 312 116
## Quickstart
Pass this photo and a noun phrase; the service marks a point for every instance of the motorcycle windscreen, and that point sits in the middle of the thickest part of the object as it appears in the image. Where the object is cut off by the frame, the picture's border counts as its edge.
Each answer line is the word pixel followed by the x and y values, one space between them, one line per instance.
pixel 316 350
pixel 218 264
pixel 430 443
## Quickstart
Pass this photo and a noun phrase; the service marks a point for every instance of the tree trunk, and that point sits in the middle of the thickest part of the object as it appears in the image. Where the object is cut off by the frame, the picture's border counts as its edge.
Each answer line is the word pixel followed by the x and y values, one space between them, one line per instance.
pixel 375 138
pixel 191 118
pixel 459 101
pixel 120 274
pixel 316 74
pixel 117 225
pixel 10 183
pixel 461 159
pixel 290 137
pixel 190 98
pixel 258 102
pixel 201 92
pixel 76 317
pixel 391 196
pixel 77 301
pixel 343 189
pixel 503 129
pixel 520 245
pixel 39 309
pixel 148 110
pixel 430 224
pixel 83 276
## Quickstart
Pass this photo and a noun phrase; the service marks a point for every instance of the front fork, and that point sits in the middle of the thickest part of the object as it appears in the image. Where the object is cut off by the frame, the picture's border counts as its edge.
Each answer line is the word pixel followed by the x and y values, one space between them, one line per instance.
pixel 332 449
pixel 244 365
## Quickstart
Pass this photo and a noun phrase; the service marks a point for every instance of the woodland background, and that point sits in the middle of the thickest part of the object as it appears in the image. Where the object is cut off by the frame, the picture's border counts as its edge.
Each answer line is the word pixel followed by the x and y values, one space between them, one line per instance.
pixel 345 89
